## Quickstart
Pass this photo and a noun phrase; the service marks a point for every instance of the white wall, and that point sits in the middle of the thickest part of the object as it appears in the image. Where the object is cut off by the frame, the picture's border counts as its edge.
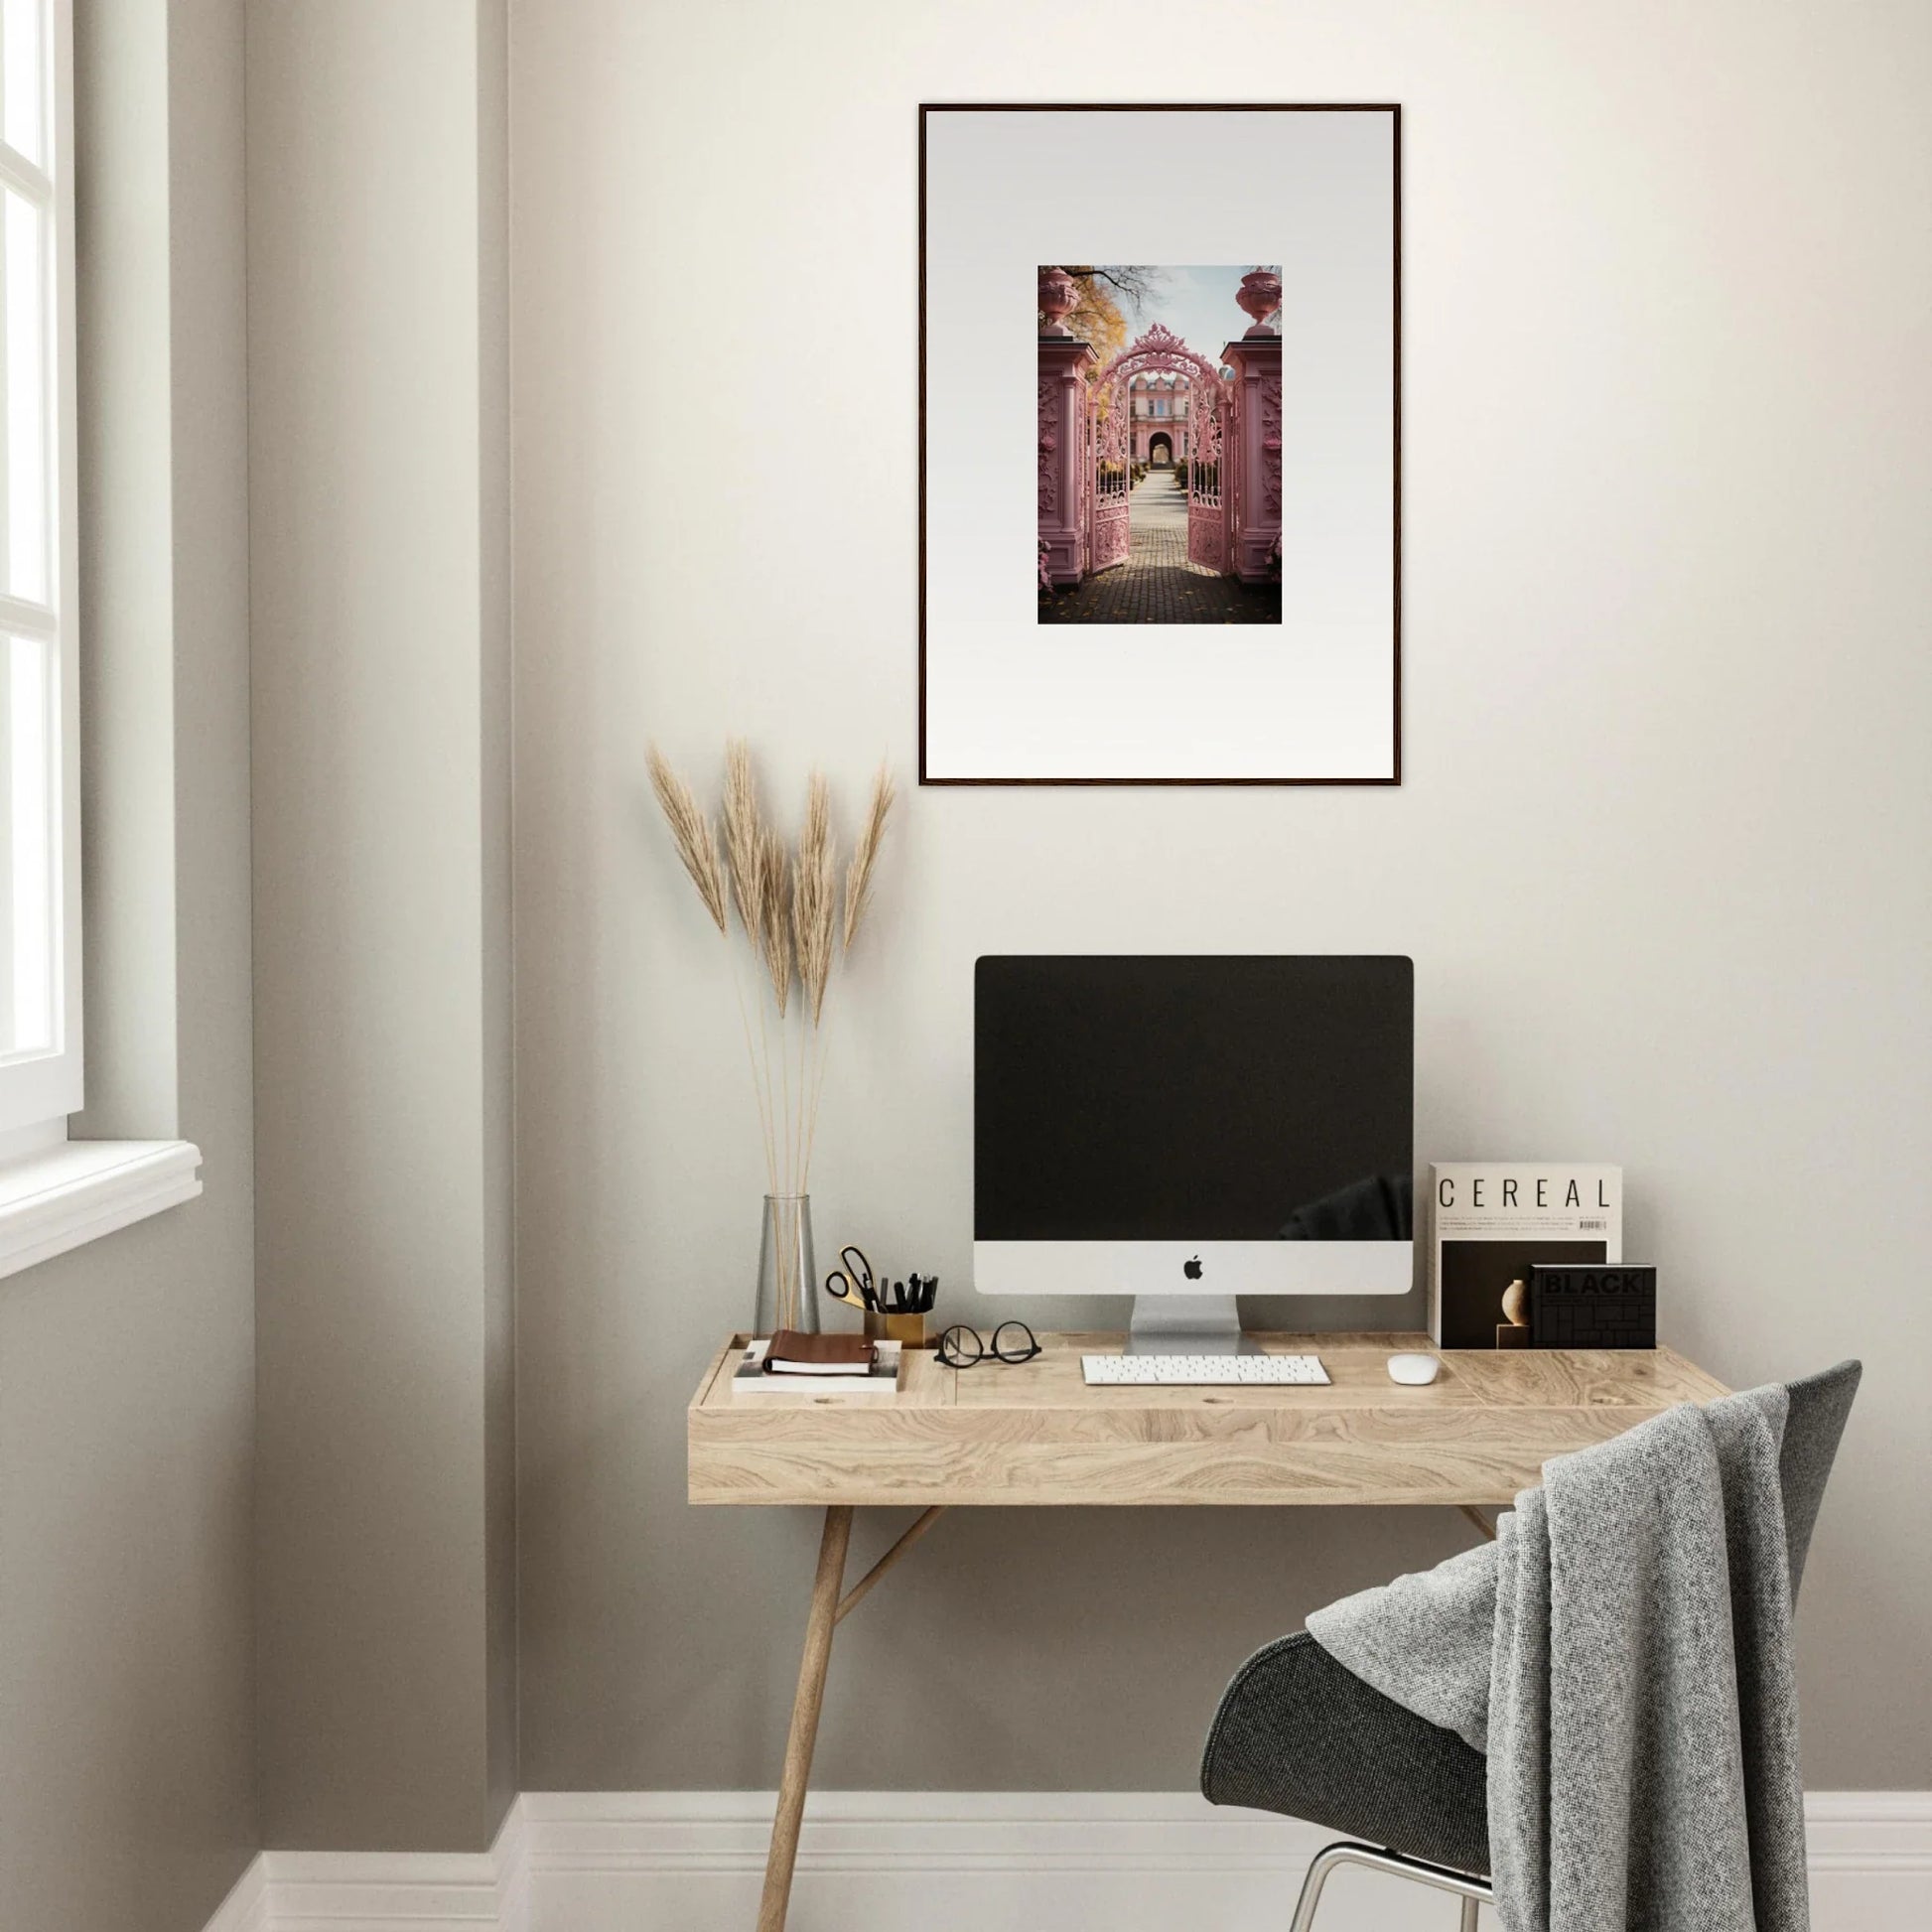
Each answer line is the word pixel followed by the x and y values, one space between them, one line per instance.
pixel 1659 854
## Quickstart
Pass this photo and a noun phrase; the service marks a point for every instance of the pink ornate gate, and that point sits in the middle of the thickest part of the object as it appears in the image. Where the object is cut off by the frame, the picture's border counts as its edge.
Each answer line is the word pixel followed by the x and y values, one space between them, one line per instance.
pixel 1109 467
pixel 1207 528
pixel 1109 474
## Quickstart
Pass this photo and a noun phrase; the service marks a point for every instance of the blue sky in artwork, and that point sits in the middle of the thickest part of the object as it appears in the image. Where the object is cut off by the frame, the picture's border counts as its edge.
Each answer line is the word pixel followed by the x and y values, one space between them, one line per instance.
pixel 1197 304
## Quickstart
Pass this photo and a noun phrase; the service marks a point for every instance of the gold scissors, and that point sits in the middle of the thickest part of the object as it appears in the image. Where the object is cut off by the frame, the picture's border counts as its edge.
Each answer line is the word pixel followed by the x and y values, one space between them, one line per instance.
pixel 852 1281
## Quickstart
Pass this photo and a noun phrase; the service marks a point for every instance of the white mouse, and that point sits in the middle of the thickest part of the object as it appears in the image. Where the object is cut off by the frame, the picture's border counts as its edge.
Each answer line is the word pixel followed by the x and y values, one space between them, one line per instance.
pixel 1414 1369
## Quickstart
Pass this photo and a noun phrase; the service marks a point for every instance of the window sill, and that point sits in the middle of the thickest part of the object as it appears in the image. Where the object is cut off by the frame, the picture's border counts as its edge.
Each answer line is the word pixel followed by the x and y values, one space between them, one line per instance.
pixel 81 1189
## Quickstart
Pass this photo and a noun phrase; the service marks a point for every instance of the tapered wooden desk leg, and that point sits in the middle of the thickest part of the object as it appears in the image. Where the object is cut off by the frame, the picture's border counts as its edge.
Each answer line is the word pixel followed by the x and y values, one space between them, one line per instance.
pixel 804 1720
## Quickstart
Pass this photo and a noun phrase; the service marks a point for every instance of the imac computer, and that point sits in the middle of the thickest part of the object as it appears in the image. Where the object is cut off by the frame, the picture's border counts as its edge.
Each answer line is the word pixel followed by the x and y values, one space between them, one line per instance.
pixel 1184 1130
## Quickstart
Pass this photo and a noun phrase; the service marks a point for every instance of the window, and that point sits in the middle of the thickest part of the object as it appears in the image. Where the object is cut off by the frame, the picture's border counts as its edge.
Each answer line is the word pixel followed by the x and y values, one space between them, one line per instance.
pixel 40 882
pixel 54 1194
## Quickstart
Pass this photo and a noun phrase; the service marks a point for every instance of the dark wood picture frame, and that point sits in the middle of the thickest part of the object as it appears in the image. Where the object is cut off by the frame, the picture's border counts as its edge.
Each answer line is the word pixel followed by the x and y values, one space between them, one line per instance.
pixel 1391 109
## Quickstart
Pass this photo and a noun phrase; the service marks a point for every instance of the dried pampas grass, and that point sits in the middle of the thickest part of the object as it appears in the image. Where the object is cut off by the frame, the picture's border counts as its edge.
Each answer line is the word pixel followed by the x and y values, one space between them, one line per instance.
pixel 693 834
pixel 744 824
pixel 864 854
pixel 814 897
pixel 788 903
pixel 774 916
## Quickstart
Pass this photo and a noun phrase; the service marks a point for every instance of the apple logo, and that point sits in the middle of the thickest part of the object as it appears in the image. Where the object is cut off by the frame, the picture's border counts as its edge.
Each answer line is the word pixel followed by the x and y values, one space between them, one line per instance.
pixel 1191 1269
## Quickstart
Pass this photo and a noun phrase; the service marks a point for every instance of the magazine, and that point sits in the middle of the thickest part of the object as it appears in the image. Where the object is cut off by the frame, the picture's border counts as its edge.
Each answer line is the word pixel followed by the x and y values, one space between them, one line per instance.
pixel 1489 1220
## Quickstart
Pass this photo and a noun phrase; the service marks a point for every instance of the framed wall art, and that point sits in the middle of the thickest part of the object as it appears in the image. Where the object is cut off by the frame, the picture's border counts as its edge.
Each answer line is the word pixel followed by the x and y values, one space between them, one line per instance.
pixel 1158 528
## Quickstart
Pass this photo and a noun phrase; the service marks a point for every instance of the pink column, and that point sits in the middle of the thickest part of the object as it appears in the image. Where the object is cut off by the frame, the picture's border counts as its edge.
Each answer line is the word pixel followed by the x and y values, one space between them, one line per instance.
pixel 1257 508
pixel 1064 364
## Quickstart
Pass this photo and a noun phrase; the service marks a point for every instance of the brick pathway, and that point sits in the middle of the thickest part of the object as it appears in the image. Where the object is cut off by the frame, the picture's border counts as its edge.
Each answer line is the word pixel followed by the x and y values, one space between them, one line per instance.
pixel 1157 584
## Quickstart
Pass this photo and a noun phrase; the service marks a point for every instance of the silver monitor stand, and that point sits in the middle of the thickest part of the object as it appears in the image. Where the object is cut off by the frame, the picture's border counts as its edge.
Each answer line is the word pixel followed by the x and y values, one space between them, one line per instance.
pixel 1187 1325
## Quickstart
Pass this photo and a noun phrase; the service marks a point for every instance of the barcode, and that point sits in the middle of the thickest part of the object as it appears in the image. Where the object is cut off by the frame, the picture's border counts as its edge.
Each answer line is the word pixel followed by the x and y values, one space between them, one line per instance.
pixel 1604 1225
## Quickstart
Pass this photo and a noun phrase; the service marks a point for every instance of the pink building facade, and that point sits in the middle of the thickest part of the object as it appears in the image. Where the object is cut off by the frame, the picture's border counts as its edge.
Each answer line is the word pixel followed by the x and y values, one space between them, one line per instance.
pixel 1158 412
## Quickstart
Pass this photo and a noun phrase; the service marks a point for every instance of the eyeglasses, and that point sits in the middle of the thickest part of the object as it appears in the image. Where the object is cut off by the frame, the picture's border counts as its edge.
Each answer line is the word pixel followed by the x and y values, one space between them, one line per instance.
pixel 1012 1341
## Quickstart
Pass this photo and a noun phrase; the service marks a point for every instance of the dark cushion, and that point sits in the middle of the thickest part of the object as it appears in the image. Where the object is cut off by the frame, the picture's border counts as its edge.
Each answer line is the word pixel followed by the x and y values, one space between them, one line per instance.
pixel 1299 1733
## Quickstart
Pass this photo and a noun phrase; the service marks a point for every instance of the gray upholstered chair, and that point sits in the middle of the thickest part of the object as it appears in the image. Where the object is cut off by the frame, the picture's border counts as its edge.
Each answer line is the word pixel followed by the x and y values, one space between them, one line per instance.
pixel 1298 1733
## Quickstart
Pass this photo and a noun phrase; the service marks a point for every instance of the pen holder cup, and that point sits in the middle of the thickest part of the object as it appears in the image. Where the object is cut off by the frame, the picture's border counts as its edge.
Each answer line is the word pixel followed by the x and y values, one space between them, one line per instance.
pixel 908 1329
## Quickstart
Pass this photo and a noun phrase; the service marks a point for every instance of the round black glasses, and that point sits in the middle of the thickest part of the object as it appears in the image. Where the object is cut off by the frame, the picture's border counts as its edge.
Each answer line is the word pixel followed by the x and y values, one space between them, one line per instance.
pixel 1012 1341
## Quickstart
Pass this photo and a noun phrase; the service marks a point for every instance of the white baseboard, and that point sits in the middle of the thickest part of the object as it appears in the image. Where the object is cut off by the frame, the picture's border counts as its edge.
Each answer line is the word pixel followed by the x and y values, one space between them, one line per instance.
pixel 246 1909
pixel 954 1861
pixel 386 1891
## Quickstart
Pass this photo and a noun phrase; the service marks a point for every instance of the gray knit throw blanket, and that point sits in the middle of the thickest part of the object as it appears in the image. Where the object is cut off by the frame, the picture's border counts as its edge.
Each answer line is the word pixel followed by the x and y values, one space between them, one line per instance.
pixel 1623 1652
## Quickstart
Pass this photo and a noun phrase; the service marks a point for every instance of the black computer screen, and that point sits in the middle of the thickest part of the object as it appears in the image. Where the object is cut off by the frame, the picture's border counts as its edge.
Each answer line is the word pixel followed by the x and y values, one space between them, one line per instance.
pixel 1225 1098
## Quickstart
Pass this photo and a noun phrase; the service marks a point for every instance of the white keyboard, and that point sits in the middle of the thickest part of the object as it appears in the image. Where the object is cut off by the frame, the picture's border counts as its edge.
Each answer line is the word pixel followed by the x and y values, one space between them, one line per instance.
pixel 1201 1371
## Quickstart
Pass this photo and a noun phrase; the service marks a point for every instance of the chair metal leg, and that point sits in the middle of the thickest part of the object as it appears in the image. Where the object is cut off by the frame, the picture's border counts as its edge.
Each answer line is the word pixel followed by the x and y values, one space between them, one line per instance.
pixel 1471 1890
pixel 1323 1863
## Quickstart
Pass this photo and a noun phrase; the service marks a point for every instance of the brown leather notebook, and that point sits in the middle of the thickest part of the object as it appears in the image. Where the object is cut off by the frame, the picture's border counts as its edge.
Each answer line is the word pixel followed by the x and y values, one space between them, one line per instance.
pixel 793 1353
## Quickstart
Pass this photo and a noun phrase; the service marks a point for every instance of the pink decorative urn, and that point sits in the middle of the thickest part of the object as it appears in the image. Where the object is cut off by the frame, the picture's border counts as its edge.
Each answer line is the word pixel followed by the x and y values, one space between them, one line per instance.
pixel 1260 295
pixel 1058 298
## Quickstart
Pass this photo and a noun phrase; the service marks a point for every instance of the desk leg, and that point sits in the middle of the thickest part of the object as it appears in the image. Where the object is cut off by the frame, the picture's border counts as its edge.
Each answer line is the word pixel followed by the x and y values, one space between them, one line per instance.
pixel 804 1720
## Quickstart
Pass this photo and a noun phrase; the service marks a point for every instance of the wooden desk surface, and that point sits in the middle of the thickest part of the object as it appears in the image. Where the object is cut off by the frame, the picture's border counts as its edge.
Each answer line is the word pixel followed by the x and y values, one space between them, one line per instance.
pixel 1033 1432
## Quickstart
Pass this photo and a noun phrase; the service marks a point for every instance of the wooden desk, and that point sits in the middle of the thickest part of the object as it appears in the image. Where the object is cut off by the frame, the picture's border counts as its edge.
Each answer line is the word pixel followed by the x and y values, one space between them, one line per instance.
pixel 1033 1432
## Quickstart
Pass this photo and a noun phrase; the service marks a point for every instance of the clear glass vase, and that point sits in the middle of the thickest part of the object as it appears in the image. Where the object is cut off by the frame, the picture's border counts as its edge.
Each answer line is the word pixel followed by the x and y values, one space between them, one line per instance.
pixel 787 1274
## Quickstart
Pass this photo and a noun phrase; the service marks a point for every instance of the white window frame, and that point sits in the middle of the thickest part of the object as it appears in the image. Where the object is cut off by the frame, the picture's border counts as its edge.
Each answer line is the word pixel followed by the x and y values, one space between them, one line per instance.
pixel 57 1192
pixel 37 1091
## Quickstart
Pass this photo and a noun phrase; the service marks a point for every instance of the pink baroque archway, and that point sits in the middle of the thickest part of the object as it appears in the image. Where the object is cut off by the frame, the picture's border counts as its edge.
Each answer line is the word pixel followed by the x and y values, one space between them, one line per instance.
pixel 1158 348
